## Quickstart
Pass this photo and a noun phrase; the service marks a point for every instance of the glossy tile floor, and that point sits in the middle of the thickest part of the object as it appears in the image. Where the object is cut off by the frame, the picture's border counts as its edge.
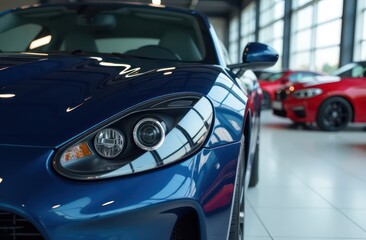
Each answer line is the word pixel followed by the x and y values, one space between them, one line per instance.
pixel 312 184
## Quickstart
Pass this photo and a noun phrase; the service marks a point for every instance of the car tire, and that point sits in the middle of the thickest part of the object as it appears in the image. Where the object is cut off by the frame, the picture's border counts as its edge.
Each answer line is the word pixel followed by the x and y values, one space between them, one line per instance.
pixel 237 217
pixel 334 114
pixel 266 101
pixel 254 176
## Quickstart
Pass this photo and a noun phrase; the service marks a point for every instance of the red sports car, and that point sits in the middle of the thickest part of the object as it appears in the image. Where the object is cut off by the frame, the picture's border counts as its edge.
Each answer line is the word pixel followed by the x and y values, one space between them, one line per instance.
pixel 330 101
pixel 273 81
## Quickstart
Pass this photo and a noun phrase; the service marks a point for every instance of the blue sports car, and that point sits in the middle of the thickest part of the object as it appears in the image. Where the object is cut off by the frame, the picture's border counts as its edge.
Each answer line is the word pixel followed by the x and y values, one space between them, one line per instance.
pixel 123 121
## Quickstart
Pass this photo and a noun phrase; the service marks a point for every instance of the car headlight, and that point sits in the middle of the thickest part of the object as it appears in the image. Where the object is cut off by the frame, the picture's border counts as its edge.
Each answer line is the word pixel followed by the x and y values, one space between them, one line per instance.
pixel 109 143
pixel 148 137
pixel 149 134
pixel 307 93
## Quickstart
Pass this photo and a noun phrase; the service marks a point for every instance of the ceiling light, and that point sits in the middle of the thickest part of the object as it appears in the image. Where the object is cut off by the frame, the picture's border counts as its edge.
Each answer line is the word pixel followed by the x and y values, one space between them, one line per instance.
pixel 156 2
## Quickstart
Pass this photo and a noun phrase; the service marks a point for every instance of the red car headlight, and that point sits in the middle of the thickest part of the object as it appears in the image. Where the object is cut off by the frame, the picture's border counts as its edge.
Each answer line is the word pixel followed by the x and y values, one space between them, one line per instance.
pixel 307 93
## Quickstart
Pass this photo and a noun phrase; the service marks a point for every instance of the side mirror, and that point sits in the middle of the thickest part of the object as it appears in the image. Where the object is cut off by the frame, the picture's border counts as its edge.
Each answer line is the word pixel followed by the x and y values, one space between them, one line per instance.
pixel 256 56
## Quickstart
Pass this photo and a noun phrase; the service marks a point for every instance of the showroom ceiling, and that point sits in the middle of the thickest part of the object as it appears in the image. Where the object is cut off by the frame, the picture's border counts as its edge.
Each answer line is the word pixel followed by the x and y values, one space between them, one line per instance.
pixel 213 8
pixel 210 7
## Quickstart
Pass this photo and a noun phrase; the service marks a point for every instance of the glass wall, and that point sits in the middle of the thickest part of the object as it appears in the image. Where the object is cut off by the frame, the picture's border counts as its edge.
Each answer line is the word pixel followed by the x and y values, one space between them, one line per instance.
pixel 271 25
pixel 234 39
pixel 316 34
pixel 247 26
pixel 360 38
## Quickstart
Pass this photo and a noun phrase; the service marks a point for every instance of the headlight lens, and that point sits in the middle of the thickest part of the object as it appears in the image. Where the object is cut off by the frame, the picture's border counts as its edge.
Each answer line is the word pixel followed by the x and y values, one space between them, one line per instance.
pixel 157 134
pixel 307 93
pixel 149 134
pixel 109 143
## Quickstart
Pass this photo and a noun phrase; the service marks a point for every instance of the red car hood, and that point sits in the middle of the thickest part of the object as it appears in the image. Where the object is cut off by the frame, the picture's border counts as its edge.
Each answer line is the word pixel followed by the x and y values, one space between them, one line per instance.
pixel 265 83
pixel 316 82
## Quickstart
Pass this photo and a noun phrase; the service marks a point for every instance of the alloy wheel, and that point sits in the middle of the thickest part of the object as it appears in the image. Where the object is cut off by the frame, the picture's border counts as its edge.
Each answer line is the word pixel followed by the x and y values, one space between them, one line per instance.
pixel 334 114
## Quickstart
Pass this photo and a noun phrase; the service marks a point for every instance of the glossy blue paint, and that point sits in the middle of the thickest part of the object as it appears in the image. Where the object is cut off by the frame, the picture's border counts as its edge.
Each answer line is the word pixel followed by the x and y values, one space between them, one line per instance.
pixel 52 92
pixel 67 209
pixel 230 105
pixel 46 88
pixel 262 54
pixel 5 12
pixel 53 100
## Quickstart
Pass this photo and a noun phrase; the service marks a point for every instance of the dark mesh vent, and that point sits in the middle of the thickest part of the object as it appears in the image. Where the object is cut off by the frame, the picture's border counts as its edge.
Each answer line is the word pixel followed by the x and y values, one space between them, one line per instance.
pixel 177 232
pixel 282 95
pixel 14 227
pixel 186 226
pixel 300 113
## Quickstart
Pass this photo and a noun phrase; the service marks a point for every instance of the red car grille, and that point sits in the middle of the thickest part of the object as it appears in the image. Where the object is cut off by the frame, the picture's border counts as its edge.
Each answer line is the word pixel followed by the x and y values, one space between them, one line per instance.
pixel 280 96
pixel 14 227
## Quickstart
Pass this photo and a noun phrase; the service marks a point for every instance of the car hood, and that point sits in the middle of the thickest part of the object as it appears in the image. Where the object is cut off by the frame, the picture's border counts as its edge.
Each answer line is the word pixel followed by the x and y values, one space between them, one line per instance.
pixel 48 100
pixel 265 82
pixel 315 82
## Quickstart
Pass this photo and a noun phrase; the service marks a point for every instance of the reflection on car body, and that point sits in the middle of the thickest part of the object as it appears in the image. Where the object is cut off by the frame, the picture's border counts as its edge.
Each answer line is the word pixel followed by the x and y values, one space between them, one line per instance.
pixel 124 121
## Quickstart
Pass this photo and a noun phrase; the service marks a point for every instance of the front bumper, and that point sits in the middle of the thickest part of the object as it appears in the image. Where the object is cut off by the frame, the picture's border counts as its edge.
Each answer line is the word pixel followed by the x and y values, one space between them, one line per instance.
pixel 296 113
pixel 298 110
pixel 149 205
pixel 301 110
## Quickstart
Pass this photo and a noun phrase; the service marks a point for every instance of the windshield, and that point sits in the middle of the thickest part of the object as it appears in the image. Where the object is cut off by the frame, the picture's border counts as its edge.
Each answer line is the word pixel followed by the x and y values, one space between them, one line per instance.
pixel 135 31
pixel 273 77
pixel 351 70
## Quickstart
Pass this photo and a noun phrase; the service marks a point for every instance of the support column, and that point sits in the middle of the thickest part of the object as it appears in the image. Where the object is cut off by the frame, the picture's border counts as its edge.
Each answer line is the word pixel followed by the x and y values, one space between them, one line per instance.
pixel 257 15
pixel 348 31
pixel 286 34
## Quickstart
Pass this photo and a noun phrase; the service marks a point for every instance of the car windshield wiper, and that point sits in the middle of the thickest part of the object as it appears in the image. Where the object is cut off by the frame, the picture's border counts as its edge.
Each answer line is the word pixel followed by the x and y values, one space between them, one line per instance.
pixel 77 51
pixel 80 51
pixel 73 52
pixel 123 55
pixel 117 54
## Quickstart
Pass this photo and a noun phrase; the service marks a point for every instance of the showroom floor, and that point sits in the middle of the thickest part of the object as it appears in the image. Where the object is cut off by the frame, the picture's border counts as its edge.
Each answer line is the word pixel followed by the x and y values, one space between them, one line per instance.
pixel 312 184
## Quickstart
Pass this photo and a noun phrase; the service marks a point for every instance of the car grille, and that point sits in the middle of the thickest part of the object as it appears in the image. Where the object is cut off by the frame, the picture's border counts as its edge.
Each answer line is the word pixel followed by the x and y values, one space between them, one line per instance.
pixel 14 227
pixel 281 95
